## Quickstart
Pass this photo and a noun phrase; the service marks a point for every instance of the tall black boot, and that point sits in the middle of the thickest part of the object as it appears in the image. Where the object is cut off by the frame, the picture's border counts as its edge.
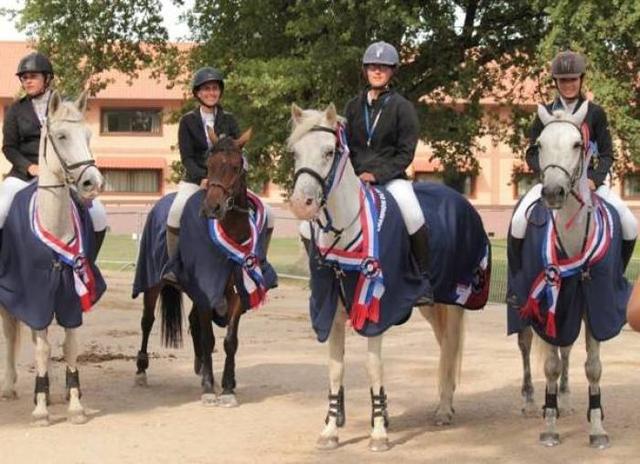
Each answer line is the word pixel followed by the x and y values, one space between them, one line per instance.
pixel 627 252
pixel 420 249
pixel 99 240
pixel 514 252
pixel 1 231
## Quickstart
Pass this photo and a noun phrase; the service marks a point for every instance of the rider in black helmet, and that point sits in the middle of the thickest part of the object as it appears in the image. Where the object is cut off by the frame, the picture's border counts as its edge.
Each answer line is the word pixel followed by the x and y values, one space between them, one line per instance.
pixel 21 136
pixel 568 69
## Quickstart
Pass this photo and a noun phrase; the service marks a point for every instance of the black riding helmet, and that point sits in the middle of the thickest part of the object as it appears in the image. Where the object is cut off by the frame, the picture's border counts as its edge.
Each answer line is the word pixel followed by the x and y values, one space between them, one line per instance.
pixel 204 75
pixel 35 62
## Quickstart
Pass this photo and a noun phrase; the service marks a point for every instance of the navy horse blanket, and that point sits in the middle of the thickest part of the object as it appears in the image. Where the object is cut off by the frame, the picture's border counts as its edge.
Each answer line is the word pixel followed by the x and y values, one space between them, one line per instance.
pixel 598 290
pixel 202 268
pixel 460 262
pixel 35 283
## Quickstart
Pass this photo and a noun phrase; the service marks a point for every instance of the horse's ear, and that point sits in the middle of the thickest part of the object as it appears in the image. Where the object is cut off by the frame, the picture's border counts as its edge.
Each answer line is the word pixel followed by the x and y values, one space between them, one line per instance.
pixel 54 103
pixel 212 135
pixel 244 138
pixel 296 114
pixel 81 101
pixel 331 114
pixel 578 117
pixel 544 115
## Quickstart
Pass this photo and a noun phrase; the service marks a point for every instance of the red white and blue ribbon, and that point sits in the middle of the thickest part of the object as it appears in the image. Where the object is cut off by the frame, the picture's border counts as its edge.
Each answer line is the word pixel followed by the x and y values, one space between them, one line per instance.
pixel 245 254
pixel 363 258
pixel 548 284
pixel 342 158
pixel 72 254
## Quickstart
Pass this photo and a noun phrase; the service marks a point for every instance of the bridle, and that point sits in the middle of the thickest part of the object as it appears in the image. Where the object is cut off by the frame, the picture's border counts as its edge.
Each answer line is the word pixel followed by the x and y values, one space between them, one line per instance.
pixel 577 172
pixel 230 191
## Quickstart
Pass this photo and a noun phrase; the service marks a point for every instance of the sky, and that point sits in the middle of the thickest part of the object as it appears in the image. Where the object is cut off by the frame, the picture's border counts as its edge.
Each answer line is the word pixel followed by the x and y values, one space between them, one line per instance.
pixel 169 11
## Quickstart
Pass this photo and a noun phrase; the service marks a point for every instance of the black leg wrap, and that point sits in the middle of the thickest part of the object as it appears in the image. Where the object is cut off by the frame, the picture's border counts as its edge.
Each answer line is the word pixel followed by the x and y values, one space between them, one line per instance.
pixel 142 361
pixel 514 252
pixel 550 402
pixel 594 403
pixel 379 406
pixel 42 386
pixel 336 408
pixel 627 252
pixel 73 381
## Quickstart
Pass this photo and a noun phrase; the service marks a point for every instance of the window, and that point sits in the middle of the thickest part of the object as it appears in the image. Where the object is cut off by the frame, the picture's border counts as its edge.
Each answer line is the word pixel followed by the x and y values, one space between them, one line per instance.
pixel 631 185
pixel 523 184
pixel 142 121
pixel 132 180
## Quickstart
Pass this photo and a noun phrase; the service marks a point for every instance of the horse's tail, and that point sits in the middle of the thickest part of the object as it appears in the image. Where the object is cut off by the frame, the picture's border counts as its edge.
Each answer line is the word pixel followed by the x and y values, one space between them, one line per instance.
pixel 171 304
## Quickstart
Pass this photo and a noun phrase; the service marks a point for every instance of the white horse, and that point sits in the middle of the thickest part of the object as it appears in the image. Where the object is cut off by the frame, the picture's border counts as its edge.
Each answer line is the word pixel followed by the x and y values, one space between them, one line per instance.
pixel 64 160
pixel 313 142
pixel 565 192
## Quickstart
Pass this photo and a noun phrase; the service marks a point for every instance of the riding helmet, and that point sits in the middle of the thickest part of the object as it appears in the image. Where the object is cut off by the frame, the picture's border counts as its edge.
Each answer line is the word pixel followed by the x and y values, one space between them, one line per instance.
pixel 381 53
pixel 568 65
pixel 35 62
pixel 204 75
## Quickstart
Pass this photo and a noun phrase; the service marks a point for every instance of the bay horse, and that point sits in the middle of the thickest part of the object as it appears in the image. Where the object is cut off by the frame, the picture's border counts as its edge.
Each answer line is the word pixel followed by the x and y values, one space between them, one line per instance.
pixel 47 261
pixel 220 299
pixel 570 270
pixel 328 194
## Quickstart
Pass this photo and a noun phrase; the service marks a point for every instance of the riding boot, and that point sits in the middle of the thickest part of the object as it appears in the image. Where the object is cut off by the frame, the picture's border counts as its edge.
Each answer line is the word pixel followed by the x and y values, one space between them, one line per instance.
pixel 514 252
pixel 627 251
pixel 172 238
pixel 99 239
pixel 419 242
pixel 1 231
pixel 267 240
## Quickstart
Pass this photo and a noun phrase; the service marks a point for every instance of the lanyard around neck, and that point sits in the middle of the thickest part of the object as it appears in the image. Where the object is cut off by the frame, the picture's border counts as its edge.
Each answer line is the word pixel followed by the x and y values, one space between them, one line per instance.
pixel 371 127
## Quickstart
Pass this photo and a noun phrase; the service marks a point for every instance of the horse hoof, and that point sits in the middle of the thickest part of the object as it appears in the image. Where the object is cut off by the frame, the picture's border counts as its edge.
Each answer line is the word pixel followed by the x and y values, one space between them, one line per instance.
pixel 209 399
pixel 227 401
pixel 41 421
pixel 9 395
pixel 530 410
pixel 549 439
pixel 599 441
pixel 442 419
pixel 327 443
pixel 141 380
pixel 379 445
pixel 77 418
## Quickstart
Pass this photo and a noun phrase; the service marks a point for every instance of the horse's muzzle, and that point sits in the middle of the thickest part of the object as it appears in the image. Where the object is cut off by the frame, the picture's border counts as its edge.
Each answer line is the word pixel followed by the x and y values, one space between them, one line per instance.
pixel 304 207
pixel 554 196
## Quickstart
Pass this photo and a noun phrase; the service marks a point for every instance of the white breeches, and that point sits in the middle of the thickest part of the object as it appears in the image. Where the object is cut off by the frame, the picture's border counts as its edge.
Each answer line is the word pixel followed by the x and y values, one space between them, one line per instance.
pixel 185 191
pixel 402 192
pixel 628 221
pixel 12 185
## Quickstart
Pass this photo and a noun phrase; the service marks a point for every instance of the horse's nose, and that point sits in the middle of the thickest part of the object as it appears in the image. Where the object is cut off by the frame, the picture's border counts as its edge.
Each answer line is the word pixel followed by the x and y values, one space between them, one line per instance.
pixel 553 191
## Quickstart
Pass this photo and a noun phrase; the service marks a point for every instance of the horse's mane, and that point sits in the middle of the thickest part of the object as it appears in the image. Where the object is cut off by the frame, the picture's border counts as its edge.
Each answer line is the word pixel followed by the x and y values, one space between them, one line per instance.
pixel 310 118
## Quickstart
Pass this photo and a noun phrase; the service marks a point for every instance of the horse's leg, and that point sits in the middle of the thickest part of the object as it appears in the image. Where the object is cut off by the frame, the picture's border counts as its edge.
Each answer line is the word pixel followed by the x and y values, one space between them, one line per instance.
pixel 228 398
pixel 335 419
pixel 448 327
pixel 43 351
pixel 150 299
pixel 75 413
pixel 552 369
pixel 207 342
pixel 529 408
pixel 11 329
pixel 598 437
pixel 564 397
pixel 379 416
pixel 194 329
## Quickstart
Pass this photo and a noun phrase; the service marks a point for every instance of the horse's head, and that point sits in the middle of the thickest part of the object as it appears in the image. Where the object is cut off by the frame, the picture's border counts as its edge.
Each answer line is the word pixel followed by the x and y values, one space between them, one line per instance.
pixel 67 153
pixel 225 175
pixel 561 154
pixel 313 142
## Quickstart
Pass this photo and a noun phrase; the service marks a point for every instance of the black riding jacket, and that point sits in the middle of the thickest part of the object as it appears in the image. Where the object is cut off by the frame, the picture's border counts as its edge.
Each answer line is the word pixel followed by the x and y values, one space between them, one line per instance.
pixel 596 120
pixel 21 138
pixel 393 140
pixel 193 143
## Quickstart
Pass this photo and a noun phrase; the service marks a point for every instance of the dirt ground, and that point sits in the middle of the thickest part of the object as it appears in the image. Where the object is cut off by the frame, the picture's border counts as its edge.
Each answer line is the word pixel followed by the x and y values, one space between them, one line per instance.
pixel 282 383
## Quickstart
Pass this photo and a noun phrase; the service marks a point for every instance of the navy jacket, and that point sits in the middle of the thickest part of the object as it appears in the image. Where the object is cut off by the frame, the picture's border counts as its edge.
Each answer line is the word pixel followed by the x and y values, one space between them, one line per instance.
pixel 21 138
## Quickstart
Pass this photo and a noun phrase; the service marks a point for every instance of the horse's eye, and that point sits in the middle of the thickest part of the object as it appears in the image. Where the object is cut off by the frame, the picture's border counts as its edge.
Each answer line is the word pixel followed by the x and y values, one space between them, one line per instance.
pixel 328 153
pixel 577 145
pixel 61 137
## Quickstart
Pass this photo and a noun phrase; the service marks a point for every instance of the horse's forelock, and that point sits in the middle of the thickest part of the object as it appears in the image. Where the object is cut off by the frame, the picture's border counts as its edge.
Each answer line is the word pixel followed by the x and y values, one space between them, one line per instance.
pixel 66 111
pixel 310 118
pixel 225 145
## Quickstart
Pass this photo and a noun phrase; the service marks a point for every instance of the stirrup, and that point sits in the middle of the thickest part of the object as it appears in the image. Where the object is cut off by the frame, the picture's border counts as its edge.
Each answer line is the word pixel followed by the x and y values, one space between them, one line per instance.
pixel 379 406
pixel 336 408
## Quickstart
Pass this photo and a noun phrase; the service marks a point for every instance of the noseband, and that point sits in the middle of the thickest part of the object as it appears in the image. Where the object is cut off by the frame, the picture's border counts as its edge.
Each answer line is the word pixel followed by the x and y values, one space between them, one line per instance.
pixel 229 191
